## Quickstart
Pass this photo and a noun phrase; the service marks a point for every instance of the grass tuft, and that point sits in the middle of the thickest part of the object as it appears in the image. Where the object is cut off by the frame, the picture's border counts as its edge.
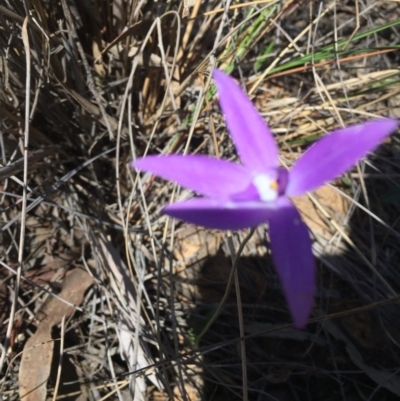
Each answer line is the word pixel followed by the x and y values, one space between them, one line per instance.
pixel 87 86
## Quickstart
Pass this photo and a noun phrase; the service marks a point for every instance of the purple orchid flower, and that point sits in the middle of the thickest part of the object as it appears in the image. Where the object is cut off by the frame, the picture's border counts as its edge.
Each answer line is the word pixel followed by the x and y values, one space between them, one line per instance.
pixel 238 196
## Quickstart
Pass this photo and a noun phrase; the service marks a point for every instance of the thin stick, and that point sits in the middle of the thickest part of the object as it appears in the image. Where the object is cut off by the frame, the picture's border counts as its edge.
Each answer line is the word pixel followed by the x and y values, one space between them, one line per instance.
pixel 60 362
pixel 25 39
pixel 240 318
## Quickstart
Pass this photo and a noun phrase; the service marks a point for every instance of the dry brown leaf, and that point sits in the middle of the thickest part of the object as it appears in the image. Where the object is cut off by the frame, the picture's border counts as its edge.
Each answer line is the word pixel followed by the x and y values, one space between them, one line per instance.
pixel 193 244
pixel 38 350
pixel 191 393
pixel 331 201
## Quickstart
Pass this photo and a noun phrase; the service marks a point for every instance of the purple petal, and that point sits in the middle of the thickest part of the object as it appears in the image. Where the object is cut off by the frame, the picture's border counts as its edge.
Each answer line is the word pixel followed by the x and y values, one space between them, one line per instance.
pixel 293 258
pixel 220 215
pixel 336 153
pixel 206 175
pixel 252 137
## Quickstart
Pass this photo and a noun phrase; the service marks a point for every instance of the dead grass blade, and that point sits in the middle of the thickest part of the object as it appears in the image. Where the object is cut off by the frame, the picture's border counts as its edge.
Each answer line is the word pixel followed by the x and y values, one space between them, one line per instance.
pixel 133 349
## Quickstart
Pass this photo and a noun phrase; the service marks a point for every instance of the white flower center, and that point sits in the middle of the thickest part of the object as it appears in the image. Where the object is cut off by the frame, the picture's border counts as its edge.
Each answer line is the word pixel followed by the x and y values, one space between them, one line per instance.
pixel 266 186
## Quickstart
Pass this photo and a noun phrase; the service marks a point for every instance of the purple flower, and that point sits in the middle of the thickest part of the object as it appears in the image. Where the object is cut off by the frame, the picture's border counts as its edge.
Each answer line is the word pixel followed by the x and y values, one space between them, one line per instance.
pixel 237 196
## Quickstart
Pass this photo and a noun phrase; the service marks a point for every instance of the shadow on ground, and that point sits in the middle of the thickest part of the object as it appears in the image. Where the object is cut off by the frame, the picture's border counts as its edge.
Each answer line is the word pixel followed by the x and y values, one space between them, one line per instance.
pixel 351 356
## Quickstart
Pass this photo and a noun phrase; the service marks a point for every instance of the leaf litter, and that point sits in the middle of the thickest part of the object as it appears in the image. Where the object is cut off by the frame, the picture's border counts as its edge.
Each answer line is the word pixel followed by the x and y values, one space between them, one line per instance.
pixel 80 196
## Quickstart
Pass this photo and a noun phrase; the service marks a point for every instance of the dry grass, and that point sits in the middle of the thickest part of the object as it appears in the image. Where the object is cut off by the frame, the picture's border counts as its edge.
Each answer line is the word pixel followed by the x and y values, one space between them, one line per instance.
pixel 103 298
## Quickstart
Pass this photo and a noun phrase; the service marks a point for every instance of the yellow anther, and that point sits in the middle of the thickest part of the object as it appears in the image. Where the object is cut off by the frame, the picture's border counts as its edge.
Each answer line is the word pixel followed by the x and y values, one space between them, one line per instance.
pixel 274 185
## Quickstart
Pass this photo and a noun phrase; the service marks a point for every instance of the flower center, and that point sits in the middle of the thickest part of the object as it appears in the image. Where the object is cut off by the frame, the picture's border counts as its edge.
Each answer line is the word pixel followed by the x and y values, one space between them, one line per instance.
pixel 267 187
